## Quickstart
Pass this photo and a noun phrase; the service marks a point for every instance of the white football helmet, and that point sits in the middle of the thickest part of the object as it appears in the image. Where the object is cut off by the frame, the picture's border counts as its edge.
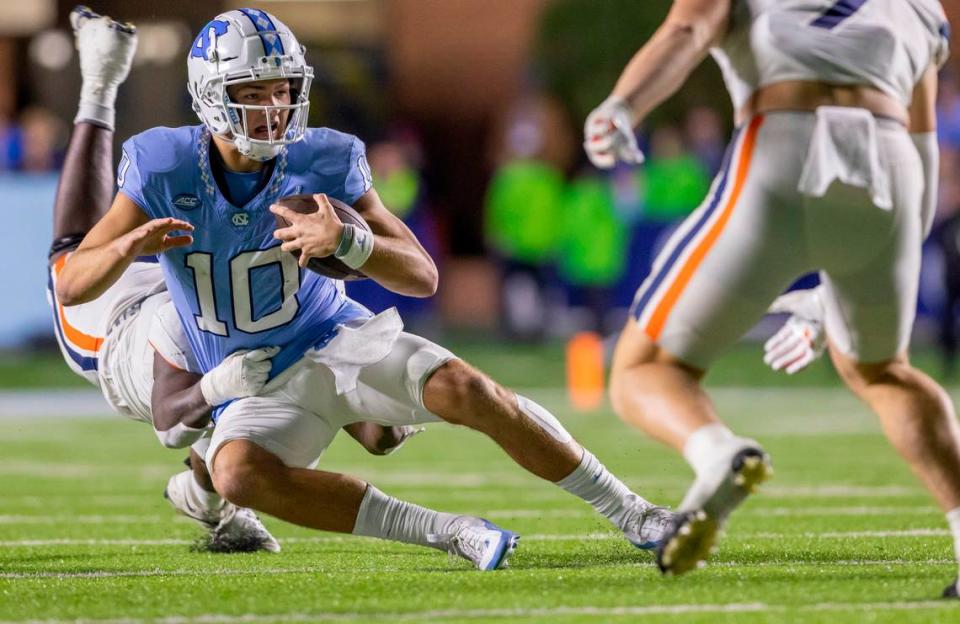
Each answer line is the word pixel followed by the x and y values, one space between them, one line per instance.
pixel 247 45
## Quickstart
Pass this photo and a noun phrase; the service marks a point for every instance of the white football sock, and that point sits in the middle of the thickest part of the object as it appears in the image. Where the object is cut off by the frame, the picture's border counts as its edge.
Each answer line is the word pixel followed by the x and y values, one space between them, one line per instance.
pixel 97 111
pixel 389 518
pixel 953 519
pixel 706 446
pixel 592 482
pixel 200 498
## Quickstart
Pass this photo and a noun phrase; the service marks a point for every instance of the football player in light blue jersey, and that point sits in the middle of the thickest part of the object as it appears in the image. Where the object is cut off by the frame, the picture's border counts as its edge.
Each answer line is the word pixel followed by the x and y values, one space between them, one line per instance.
pixel 202 197
pixel 125 342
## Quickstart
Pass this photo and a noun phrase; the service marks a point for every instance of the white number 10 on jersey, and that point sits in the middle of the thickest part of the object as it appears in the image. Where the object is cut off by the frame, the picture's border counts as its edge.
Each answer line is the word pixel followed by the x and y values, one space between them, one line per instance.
pixel 202 265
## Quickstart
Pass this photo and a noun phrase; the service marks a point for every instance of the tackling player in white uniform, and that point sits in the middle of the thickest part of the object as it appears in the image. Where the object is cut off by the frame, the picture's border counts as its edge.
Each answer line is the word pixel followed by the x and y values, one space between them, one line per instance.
pixel 833 168
pixel 129 341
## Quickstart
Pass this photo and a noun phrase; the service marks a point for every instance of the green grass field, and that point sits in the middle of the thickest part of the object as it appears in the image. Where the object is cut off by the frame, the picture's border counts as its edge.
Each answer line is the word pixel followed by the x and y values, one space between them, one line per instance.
pixel 842 534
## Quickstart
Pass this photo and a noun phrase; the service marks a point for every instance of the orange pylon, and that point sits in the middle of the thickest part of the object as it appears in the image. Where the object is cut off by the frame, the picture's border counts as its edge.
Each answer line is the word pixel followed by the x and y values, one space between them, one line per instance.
pixel 585 371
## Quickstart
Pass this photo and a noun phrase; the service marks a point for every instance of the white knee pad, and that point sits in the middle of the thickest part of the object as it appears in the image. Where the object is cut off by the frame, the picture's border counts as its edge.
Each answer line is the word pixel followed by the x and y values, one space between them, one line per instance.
pixel 421 365
pixel 544 418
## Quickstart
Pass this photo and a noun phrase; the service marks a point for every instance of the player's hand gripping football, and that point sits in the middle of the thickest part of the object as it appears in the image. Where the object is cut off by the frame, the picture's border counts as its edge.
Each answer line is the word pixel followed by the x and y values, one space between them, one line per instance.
pixel 315 235
pixel 801 339
pixel 608 135
pixel 241 374
pixel 154 237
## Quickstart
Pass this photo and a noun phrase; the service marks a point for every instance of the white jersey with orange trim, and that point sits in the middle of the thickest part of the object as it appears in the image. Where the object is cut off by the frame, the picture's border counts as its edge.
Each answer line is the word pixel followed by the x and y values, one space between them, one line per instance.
pixel 81 329
pixel 887 44
pixel 111 340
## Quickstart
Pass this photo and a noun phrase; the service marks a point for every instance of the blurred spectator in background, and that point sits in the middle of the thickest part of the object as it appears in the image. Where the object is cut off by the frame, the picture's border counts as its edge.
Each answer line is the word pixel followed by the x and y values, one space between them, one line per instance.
pixel 44 137
pixel 674 180
pixel 34 144
pixel 10 144
pixel 946 231
pixel 946 235
pixel 592 246
pixel 948 112
pixel 396 164
pixel 706 136
pixel 523 210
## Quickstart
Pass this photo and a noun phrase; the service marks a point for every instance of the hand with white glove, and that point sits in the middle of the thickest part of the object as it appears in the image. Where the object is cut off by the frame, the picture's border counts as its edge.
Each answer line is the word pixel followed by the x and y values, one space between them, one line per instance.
pixel 399 437
pixel 801 340
pixel 106 49
pixel 241 374
pixel 608 135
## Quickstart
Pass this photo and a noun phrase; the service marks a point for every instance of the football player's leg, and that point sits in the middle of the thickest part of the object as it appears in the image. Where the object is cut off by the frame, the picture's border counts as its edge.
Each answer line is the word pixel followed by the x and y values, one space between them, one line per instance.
pixel 420 382
pixel 711 283
pixel 870 302
pixel 229 528
pixel 261 453
pixel 86 185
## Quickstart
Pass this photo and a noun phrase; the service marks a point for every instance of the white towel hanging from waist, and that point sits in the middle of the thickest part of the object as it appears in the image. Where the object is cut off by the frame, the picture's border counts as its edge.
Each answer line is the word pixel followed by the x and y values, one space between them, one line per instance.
pixel 844 147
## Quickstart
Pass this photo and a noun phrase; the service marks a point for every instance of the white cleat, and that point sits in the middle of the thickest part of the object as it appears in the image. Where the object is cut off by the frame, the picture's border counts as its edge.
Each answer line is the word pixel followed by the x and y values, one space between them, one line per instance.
pixel 105 46
pixel 719 491
pixel 687 543
pixel 647 524
pixel 176 493
pixel 479 541
pixel 405 433
pixel 692 537
pixel 228 528
pixel 240 530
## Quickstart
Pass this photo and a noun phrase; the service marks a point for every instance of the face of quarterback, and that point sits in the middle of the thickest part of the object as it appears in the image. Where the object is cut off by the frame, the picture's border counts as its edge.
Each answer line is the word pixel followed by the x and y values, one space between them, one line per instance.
pixel 264 93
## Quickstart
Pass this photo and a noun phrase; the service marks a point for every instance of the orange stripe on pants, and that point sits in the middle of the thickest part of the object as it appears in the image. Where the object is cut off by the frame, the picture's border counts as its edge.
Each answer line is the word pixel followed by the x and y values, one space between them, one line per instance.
pixel 74 335
pixel 659 317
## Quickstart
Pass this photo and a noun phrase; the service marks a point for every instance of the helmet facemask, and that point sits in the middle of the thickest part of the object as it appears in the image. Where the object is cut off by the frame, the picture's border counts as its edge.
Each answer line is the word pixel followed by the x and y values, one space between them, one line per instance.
pixel 292 116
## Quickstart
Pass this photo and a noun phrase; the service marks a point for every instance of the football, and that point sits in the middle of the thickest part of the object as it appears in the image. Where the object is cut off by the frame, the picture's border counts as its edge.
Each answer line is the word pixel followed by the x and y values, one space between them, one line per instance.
pixel 329 266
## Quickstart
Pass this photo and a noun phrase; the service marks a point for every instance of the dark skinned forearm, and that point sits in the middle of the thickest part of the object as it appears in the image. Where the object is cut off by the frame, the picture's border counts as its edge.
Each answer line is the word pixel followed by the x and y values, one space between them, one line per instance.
pixel 177 398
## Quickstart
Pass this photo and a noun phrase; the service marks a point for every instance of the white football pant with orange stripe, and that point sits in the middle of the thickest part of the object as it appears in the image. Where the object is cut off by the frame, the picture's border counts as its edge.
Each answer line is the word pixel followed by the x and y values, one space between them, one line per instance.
pixel 105 341
pixel 837 191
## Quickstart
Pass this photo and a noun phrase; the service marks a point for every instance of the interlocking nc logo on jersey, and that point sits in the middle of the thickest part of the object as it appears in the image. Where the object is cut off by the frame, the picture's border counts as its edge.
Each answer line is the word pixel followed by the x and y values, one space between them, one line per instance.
pixel 240 219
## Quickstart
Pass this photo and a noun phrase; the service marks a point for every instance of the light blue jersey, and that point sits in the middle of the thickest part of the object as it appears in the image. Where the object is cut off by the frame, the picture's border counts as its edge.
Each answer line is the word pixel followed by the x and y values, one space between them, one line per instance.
pixel 233 287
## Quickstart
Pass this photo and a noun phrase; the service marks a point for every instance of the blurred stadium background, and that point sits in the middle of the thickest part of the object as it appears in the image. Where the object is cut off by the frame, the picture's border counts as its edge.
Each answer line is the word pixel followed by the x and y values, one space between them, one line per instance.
pixel 471 111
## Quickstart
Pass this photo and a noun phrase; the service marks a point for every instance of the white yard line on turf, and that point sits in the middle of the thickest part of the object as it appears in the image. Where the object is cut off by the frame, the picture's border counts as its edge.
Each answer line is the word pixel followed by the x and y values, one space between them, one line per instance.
pixel 93 519
pixel 760 535
pixel 205 572
pixel 518 612
pixel 526 538
pixel 487 513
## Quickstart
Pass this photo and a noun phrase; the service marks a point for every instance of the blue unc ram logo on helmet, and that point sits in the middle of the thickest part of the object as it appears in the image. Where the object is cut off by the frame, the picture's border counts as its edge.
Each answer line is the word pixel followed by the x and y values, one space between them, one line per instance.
pixel 206 42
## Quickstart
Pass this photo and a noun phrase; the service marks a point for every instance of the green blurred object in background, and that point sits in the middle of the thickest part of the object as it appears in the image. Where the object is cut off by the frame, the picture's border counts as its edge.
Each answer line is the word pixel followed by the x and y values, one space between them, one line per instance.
pixel 523 211
pixel 672 187
pixel 593 240
pixel 398 190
